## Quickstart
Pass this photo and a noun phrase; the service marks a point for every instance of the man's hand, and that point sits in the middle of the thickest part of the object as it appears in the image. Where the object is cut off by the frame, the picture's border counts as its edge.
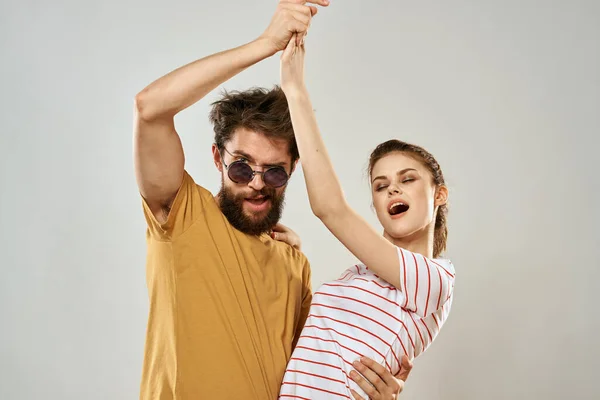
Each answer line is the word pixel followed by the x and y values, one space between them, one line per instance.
pixel 291 16
pixel 284 234
pixel 381 384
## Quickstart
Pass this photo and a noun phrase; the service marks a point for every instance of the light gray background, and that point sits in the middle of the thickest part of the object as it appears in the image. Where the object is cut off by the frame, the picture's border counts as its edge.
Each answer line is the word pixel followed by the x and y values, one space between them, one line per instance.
pixel 504 93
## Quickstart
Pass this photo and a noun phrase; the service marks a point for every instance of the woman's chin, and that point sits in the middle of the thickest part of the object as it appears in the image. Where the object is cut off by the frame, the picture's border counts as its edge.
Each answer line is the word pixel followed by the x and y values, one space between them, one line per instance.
pixel 404 232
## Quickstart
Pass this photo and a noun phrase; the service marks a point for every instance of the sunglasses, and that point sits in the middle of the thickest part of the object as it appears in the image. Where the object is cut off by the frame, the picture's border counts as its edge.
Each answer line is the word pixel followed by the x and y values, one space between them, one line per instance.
pixel 241 172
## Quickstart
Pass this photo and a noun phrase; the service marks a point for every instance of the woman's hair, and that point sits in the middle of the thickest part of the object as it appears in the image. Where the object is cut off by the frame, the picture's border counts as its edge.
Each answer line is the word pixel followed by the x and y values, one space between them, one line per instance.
pixel 424 157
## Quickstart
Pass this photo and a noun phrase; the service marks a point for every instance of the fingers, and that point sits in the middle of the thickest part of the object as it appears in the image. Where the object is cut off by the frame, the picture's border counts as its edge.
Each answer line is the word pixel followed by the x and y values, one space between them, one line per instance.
pixel 282 237
pixel 300 13
pixel 378 371
pixel 287 53
pixel 297 27
pixel 374 385
pixel 298 21
pixel 363 384
pixel 323 3
pixel 405 368
pixel 356 395
pixel 285 238
pixel 279 227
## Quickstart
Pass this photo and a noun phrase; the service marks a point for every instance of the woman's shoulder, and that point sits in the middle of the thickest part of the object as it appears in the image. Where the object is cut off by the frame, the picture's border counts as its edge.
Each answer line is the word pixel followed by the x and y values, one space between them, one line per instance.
pixel 408 257
pixel 360 274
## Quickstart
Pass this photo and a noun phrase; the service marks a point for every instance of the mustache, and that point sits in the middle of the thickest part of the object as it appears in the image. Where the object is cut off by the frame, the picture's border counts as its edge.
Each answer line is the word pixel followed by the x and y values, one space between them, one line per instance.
pixel 264 192
pixel 232 207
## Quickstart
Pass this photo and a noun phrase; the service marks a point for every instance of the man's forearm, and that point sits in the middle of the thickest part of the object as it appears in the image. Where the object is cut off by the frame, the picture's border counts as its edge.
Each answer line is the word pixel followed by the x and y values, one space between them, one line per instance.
pixel 186 85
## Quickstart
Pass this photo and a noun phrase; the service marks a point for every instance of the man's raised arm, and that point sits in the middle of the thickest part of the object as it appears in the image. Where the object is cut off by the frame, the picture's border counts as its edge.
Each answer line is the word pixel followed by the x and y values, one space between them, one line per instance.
pixel 158 153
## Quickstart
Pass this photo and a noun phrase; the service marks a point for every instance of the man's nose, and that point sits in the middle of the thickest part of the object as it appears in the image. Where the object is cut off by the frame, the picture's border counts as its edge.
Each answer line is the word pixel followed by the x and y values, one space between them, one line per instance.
pixel 257 182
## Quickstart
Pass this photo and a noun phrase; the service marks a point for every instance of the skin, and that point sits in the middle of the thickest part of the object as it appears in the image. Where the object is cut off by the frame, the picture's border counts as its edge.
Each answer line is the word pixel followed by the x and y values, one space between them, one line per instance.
pixel 159 159
pixel 158 154
pixel 414 229
pixel 260 152
pixel 396 178
pixel 399 177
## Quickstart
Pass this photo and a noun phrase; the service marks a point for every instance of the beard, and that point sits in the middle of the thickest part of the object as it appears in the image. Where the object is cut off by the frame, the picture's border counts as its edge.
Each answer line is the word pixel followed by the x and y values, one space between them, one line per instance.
pixel 232 206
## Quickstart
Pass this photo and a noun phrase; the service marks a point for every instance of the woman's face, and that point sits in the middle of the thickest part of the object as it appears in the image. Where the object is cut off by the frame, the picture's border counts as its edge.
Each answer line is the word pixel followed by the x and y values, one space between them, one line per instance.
pixel 404 195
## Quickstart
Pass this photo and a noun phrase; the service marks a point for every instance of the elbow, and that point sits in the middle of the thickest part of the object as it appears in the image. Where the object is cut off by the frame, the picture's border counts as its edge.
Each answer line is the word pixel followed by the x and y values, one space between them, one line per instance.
pixel 446 293
pixel 142 106
pixel 321 212
pixel 146 108
pixel 328 210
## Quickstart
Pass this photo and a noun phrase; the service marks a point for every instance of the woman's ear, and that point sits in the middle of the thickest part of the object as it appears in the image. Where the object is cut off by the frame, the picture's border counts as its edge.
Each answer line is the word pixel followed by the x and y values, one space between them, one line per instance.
pixel 441 196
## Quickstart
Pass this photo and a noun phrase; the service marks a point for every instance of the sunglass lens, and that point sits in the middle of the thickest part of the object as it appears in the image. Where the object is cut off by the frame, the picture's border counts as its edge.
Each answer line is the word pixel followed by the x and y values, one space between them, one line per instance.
pixel 275 177
pixel 240 172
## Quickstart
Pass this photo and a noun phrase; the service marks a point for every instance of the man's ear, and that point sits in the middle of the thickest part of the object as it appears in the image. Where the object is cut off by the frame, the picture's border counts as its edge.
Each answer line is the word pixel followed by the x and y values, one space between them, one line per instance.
pixel 441 196
pixel 294 164
pixel 217 158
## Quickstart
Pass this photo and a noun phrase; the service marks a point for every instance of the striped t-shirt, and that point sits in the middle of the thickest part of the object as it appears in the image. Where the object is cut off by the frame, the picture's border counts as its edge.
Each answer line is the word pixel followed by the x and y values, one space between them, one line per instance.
pixel 360 314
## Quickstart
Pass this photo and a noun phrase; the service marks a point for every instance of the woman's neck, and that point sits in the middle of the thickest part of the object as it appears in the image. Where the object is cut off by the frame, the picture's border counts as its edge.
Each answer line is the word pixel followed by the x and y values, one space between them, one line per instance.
pixel 420 242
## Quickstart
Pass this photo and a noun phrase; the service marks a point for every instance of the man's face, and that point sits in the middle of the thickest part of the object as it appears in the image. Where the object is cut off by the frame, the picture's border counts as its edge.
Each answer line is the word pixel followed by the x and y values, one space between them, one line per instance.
pixel 252 207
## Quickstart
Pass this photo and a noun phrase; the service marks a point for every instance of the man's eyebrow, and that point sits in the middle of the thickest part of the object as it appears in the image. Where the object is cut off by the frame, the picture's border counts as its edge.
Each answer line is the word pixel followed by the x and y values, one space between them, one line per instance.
pixel 279 164
pixel 242 154
pixel 249 158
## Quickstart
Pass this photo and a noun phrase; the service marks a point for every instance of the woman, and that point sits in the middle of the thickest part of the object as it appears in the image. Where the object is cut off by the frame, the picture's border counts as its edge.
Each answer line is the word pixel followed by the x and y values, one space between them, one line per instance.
pixel 395 302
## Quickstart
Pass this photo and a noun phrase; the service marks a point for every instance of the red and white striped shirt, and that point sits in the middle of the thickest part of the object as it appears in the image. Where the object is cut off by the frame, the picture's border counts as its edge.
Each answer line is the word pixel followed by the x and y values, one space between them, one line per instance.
pixel 360 314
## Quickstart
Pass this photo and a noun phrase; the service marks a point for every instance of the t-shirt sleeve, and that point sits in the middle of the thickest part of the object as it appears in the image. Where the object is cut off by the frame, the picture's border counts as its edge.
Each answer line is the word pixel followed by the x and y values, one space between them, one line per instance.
pixel 188 206
pixel 307 296
pixel 426 284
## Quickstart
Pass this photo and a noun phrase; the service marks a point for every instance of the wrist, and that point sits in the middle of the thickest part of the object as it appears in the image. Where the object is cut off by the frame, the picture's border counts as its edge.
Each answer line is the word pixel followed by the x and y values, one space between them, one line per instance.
pixel 295 92
pixel 265 45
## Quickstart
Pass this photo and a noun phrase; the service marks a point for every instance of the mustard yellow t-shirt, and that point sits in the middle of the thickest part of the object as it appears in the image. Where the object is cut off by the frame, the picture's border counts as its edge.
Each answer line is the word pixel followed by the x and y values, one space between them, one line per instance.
pixel 226 308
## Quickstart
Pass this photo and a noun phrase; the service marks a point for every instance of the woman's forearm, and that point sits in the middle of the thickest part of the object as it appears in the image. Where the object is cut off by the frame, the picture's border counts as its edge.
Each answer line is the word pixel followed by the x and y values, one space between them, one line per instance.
pixel 324 190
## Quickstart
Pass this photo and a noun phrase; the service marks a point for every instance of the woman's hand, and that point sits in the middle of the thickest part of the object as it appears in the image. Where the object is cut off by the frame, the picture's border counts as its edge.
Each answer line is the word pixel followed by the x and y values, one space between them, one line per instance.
pixel 284 234
pixel 380 383
pixel 292 66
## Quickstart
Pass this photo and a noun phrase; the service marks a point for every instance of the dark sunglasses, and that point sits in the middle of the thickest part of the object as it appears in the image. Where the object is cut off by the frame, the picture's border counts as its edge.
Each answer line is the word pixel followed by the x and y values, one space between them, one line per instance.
pixel 241 172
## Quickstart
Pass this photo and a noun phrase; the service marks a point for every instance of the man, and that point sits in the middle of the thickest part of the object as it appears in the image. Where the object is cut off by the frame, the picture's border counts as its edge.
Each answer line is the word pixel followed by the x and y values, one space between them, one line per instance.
pixel 227 302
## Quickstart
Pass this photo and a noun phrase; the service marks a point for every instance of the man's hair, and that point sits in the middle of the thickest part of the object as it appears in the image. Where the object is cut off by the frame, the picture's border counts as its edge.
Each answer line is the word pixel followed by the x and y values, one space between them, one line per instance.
pixel 257 109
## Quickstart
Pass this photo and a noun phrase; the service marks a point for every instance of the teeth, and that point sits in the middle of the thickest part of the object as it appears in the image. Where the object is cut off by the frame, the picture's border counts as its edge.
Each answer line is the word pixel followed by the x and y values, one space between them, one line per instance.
pixel 397 204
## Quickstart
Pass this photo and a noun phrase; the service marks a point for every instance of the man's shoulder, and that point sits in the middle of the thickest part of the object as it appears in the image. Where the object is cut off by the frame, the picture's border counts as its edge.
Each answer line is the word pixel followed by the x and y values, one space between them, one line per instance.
pixel 207 197
pixel 200 188
pixel 292 254
pixel 296 261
